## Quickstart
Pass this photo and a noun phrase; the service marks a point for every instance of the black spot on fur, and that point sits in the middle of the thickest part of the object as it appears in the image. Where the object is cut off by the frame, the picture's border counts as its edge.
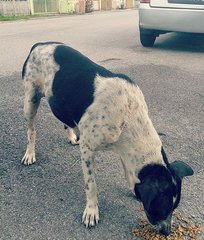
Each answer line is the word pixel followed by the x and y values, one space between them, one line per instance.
pixel 37 95
pixel 90 180
pixel 139 120
pixel 88 163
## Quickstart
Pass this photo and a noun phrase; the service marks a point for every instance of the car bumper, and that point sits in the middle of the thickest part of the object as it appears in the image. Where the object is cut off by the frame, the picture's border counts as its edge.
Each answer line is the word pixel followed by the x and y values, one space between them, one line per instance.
pixel 176 20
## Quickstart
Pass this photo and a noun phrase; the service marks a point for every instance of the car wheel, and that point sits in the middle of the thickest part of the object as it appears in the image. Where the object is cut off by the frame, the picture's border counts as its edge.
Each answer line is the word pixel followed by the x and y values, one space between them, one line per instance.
pixel 147 40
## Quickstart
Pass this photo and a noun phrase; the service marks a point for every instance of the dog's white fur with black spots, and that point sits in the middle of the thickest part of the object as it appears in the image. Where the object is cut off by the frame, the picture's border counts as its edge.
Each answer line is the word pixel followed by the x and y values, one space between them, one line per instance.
pixel 111 113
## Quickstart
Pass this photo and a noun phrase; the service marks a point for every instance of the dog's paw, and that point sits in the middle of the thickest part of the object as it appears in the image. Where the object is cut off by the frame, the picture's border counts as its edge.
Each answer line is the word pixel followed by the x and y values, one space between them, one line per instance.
pixel 91 216
pixel 74 141
pixel 72 136
pixel 29 158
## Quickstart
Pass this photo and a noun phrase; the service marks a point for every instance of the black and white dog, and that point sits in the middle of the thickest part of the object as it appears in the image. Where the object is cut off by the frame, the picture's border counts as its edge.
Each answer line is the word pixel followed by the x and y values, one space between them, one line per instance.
pixel 111 113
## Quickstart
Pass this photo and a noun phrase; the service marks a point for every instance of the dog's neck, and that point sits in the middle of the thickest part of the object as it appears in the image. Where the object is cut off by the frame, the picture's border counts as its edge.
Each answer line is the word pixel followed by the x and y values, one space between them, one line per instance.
pixel 157 158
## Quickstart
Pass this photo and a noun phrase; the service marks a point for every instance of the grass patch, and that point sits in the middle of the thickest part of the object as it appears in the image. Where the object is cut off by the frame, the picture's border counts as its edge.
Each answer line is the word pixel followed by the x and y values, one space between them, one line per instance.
pixel 13 18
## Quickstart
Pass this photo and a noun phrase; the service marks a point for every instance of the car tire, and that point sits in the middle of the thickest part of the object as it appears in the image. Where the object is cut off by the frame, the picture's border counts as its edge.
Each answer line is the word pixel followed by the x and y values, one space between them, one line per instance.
pixel 147 40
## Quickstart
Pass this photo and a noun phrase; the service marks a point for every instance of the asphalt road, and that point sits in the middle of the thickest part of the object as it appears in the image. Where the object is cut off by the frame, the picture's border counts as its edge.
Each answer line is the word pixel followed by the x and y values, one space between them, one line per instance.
pixel 46 200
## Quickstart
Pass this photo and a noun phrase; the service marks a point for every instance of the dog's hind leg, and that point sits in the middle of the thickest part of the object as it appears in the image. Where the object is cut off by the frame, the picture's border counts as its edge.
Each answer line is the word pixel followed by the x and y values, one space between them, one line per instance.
pixel 31 104
pixel 71 135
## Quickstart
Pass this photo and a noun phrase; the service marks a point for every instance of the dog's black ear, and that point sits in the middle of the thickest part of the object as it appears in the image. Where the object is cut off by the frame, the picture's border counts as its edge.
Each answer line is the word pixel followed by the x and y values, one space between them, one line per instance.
pixel 181 169
pixel 146 193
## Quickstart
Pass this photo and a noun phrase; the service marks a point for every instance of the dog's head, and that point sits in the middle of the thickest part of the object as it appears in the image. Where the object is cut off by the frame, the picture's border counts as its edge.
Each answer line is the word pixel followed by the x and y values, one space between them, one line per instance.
pixel 159 190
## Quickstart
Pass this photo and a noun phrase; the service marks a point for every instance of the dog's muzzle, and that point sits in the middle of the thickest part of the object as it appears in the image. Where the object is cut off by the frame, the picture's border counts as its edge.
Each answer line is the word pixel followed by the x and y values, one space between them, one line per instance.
pixel 164 227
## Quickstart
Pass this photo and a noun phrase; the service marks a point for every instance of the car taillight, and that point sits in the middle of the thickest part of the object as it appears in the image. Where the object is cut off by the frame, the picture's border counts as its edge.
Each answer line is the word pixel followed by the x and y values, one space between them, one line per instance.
pixel 145 1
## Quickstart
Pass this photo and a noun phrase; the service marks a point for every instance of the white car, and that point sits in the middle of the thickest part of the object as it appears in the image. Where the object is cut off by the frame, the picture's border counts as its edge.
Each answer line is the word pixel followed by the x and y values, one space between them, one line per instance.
pixel 161 16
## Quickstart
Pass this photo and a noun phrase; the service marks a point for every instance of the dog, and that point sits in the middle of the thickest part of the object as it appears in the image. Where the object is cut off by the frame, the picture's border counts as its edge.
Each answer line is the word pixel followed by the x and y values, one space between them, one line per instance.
pixel 110 112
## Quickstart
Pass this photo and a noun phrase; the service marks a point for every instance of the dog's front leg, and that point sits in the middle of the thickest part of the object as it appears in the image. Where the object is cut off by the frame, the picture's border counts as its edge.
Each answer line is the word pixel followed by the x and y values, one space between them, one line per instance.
pixel 91 212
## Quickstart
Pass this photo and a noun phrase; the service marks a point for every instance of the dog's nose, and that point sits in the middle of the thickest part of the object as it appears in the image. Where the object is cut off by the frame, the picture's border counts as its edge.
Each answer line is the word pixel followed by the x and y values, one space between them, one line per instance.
pixel 165 229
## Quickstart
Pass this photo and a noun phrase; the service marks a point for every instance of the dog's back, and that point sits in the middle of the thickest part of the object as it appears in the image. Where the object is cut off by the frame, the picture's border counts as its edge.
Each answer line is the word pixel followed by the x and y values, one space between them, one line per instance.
pixel 65 77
